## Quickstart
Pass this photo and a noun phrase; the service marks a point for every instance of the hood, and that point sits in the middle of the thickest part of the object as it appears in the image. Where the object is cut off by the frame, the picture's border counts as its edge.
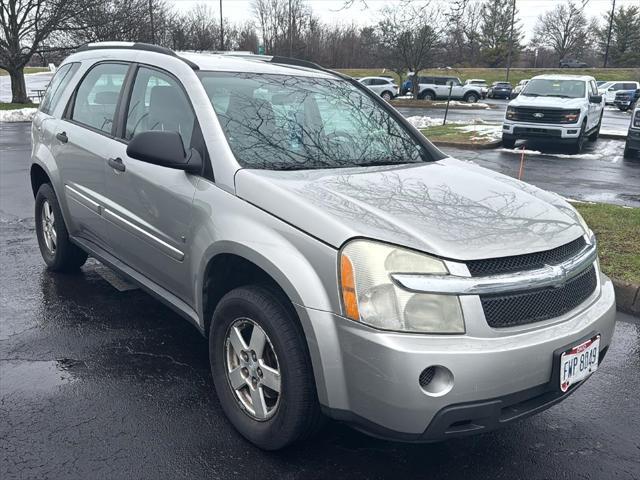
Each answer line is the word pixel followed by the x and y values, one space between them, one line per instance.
pixel 447 208
pixel 547 102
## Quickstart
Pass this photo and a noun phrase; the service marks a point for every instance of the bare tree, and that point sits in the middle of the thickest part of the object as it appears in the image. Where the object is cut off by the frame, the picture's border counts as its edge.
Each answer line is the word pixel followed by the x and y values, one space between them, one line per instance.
pixel 410 36
pixel 26 27
pixel 564 29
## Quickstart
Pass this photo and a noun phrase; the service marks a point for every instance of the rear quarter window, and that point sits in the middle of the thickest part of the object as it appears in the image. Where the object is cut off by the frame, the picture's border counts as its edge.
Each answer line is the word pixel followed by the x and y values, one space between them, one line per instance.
pixel 57 85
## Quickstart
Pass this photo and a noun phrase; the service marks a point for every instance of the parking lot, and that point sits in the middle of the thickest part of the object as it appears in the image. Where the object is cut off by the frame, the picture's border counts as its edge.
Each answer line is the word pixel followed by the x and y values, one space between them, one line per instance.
pixel 99 380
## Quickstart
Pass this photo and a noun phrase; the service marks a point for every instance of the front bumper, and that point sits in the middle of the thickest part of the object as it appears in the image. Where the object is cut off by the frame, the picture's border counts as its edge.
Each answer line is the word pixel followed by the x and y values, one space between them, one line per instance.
pixel 622 103
pixel 370 378
pixel 541 131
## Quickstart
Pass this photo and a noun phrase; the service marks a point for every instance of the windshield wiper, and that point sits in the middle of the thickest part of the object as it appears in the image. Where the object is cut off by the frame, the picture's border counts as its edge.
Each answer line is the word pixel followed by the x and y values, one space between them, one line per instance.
pixel 559 95
pixel 530 94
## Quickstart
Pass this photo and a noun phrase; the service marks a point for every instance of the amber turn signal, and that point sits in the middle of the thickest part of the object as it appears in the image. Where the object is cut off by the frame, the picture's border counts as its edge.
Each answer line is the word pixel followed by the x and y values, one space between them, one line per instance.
pixel 348 286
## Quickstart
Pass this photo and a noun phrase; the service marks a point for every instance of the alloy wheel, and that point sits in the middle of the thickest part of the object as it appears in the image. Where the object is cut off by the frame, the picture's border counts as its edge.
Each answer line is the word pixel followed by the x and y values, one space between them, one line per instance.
pixel 48 220
pixel 252 368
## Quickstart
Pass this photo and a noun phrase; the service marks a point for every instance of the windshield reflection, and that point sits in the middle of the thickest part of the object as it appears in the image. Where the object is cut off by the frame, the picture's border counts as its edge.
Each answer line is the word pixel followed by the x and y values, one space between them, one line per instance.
pixel 283 122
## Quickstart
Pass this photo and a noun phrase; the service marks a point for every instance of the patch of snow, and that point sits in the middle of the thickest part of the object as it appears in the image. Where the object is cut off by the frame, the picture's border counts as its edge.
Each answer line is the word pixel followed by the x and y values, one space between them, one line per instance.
pixel 483 132
pixel 403 97
pixel 583 156
pixel 18 115
pixel 419 121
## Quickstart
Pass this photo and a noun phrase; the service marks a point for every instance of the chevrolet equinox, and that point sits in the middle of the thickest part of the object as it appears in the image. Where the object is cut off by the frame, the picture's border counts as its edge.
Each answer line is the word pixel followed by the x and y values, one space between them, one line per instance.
pixel 339 264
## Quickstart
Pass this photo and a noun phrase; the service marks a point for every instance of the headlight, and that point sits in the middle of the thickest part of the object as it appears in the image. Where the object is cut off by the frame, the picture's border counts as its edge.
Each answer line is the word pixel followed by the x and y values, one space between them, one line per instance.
pixel 370 296
pixel 636 119
pixel 583 224
pixel 570 116
pixel 511 113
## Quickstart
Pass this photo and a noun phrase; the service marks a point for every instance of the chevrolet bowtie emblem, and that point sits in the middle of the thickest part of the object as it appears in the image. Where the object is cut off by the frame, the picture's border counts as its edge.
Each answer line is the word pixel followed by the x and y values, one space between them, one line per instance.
pixel 560 274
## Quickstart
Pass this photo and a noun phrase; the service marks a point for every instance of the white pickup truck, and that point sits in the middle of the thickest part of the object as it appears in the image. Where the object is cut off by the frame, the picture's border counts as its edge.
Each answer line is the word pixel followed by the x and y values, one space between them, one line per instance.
pixel 558 108
pixel 433 88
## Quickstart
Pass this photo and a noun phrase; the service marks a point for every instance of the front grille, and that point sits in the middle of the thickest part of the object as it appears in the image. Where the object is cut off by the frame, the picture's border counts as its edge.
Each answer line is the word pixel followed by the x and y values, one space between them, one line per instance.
pixel 549 115
pixel 522 308
pixel 531 261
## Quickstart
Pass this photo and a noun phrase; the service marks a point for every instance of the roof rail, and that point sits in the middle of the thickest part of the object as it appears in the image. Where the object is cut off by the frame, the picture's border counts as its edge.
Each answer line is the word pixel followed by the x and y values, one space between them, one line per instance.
pixel 147 47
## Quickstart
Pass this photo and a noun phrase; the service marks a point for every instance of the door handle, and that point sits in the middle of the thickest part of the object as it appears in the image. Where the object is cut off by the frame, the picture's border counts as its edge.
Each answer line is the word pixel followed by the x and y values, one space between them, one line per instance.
pixel 116 164
pixel 62 136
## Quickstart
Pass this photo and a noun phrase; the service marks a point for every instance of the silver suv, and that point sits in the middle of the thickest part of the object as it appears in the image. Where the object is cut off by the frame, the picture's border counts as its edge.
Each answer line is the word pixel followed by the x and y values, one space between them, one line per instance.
pixel 339 264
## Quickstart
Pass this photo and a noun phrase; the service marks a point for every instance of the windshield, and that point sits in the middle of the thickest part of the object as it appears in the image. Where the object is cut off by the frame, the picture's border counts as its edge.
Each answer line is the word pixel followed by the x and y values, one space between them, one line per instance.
pixel 555 88
pixel 283 122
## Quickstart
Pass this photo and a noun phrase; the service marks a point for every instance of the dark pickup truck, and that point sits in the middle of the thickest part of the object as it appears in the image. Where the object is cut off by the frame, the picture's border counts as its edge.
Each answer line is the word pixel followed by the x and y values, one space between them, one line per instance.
pixel 627 99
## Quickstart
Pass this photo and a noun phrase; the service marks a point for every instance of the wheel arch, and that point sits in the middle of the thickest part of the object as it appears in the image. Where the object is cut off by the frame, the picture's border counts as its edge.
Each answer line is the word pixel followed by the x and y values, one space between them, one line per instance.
pixel 38 176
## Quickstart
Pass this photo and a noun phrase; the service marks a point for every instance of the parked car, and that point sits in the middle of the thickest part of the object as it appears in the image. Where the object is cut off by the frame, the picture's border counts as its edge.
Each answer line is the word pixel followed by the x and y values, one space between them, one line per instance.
pixel 627 99
pixel 500 90
pixel 383 86
pixel 252 197
pixel 561 108
pixel 433 88
pixel 610 89
pixel 518 88
pixel 632 145
pixel 480 83
pixel 572 63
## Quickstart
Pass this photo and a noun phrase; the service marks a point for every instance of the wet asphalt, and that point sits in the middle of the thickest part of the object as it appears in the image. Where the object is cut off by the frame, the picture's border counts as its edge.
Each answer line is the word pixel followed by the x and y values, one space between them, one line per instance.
pixel 98 383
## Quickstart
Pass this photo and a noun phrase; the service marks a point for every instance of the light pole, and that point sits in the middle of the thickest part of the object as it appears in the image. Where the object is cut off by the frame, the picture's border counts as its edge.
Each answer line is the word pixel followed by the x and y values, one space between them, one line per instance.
pixel 513 17
pixel 606 52
pixel 290 31
pixel 153 28
pixel 221 29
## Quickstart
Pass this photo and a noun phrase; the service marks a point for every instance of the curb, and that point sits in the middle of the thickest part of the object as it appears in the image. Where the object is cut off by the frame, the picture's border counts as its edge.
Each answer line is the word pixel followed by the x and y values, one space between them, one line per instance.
pixel 468 146
pixel 627 297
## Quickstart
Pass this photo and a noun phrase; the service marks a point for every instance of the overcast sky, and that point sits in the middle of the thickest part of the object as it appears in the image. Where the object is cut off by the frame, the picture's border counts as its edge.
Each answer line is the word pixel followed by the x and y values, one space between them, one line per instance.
pixel 330 10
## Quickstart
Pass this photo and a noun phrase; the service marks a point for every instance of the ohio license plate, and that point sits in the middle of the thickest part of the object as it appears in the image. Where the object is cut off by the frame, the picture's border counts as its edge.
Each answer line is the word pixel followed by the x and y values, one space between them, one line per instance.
pixel 579 362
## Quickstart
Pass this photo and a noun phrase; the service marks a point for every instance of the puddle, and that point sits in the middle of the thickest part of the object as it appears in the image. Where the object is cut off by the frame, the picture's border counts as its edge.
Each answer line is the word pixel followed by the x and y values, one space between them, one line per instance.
pixel 34 377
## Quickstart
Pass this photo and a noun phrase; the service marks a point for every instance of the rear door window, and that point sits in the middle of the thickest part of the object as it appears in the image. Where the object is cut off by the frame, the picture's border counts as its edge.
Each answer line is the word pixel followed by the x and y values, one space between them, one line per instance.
pixel 57 85
pixel 97 96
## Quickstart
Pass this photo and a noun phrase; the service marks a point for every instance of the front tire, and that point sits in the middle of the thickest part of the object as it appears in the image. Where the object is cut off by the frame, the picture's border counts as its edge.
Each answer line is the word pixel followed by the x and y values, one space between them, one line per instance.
pixel 579 145
pixel 471 98
pixel 261 368
pixel 629 152
pixel 58 252
pixel 387 96
pixel 509 143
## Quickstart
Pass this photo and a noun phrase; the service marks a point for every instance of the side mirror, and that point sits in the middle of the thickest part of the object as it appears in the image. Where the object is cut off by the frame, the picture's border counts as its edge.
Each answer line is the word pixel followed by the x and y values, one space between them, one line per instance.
pixel 611 89
pixel 164 149
pixel 595 98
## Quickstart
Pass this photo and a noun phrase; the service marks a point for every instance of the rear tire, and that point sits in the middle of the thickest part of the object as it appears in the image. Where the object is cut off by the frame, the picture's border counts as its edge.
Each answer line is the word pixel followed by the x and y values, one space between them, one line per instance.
pixel 295 412
pixel 387 96
pixel 428 95
pixel 58 252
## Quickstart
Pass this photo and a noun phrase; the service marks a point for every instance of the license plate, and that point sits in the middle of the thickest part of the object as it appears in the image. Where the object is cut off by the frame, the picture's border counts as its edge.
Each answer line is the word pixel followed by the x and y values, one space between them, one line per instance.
pixel 579 362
